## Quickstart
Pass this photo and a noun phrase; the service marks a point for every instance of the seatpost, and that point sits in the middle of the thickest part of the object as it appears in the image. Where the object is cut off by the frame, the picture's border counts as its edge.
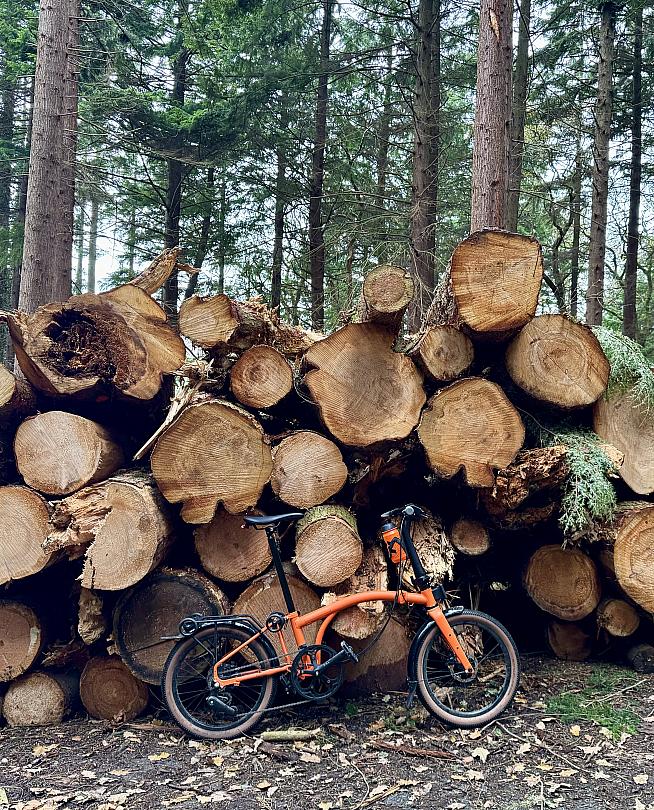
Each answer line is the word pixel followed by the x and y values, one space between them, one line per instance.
pixel 279 567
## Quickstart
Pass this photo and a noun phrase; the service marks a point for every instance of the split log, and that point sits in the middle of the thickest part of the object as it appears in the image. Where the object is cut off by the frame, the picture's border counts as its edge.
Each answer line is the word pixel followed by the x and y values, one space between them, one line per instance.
pixel 24 519
pixel 434 548
pixel 558 361
pixel 569 641
pixel 361 621
pixel 17 399
pixel 213 452
pixel 383 667
pixel 617 617
pixel 633 551
pixel 471 425
pixel 641 657
pixel 41 698
pixel 470 537
pixel 630 427
pixel 261 377
pixel 157 273
pixel 264 595
pixel 91 620
pixel 308 469
pixel 443 352
pixel 21 639
pixel 563 582
pixel 109 691
pixel 126 523
pixel 230 550
pixel 366 392
pixel 58 453
pixel 154 608
pixel 96 344
pixel 387 292
pixel 328 548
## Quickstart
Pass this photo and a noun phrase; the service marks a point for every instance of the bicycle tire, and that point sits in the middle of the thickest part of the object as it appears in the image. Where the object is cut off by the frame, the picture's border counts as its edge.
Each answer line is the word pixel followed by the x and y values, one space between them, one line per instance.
pixel 438 680
pixel 193 714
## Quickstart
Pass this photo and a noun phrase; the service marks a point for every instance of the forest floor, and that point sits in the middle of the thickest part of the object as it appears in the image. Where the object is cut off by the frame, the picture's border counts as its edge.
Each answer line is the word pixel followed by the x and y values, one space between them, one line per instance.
pixel 578 736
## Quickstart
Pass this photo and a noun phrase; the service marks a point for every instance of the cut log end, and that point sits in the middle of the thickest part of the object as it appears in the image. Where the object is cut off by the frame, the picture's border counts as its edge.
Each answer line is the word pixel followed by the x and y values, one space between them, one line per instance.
pixel 109 691
pixel 21 639
pixel 387 292
pixel 633 552
pixel 470 537
pixel 40 699
pixel 328 548
pixel 617 617
pixel 569 641
pixel 17 398
pixel 24 519
pixel 230 551
pixel 563 582
pixel 444 352
pixel 261 377
pixel 308 469
pixel 361 621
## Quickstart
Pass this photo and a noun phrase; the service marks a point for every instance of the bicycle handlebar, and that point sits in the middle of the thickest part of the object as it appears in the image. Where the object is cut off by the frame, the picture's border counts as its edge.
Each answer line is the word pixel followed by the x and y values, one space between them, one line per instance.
pixel 410 511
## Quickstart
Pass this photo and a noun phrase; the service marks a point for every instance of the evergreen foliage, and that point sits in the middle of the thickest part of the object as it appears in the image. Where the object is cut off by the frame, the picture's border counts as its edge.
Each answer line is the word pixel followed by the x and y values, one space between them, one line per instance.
pixel 630 369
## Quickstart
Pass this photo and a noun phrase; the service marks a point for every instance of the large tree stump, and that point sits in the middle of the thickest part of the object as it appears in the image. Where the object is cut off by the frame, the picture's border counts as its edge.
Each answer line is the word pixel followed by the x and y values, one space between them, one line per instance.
pixel 213 452
pixel 563 582
pixel 366 392
pixel 387 292
pixel 617 617
pixel 21 639
pixel 154 608
pixel 328 548
pixel 470 537
pixel 558 361
pixel 24 519
pixel 17 399
pixel 41 698
pixel 109 691
pixel 308 469
pixel 633 551
pixel 443 352
pixel 569 641
pixel 58 453
pixel 126 523
pixel 471 426
pixel 261 377
pixel 383 667
pixel 629 427
pixel 361 621
pixel 230 550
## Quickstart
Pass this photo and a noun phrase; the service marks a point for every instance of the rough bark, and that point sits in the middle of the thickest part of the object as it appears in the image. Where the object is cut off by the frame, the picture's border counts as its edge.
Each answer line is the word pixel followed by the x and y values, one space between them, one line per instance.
pixel 261 377
pixel 387 292
pixel 435 549
pixel 518 115
pixel 109 691
pixel 23 528
pixel 576 231
pixel 308 469
pixel 569 641
pixel 230 550
pixel 470 537
pixel 22 639
pixel 91 619
pixel 328 549
pixel 93 244
pixel 41 698
pixel 443 353
pixel 617 617
pixel 563 582
pixel 280 206
pixel 361 621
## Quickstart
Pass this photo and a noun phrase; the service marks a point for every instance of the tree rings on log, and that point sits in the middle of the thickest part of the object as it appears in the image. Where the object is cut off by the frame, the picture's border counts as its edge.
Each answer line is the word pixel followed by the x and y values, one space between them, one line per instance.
pixel 443 352
pixel 17 399
pixel 308 469
pixel 21 639
pixel 558 361
pixel 40 699
pixel 231 551
pixel 617 617
pixel 154 608
pixel 24 517
pixel 366 392
pixel 633 552
pixel 58 453
pixel 470 537
pixel 213 452
pixel 362 620
pixel 563 582
pixel 109 691
pixel 261 377
pixel 387 292
pixel 471 425
pixel 569 641
pixel 328 548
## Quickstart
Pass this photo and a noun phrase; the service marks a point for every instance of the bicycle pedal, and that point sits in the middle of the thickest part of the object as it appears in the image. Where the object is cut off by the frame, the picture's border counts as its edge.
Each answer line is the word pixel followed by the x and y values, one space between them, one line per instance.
pixel 351 655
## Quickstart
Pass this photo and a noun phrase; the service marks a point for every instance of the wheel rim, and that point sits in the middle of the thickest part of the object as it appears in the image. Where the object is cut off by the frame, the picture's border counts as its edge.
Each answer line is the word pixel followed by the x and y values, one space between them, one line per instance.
pixel 457 692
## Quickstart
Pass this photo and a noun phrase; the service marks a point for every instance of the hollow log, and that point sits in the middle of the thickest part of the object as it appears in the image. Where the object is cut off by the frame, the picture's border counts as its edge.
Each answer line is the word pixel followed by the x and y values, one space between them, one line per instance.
pixel 109 691
pixel 558 361
pixel 620 421
pixel 434 548
pixel 24 519
pixel 328 548
pixel 17 399
pixel 58 453
pixel 261 377
pixel 641 657
pixel 21 639
pixel 383 667
pixel 617 617
pixel 361 621
pixel 230 550
pixel 470 537
pixel 387 292
pixel 569 641
pixel 632 533
pixel 308 469
pixel 366 392
pixel 154 608
pixel 443 352
pixel 471 426
pixel 264 595
pixel 125 523
pixel 91 619
pixel 563 582
pixel 41 698
pixel 92 345
pixel 213 452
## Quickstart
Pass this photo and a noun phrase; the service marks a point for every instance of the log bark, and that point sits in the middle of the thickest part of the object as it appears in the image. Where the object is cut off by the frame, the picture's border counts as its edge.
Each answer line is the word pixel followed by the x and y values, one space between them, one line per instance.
pixel 58 453
pixel 109 691
pixel 471 426
pixel 328 548
pixel 366 392
pixel 261 377
pixel 470 537
pixel 387 292
pixel 617 617
pixel 213 452
pixel 23 528
pixel 434 547
pixel 361 621
pixel 641 657
pixel 41 698
pixel 563 582
pixel 230 550
pixel 383 667
pixel 558 361
pixel 21 639
pixel 105 517
pixel 569 641
pixel 443 353
pixel 17 398
pixel 308 469
pixel 633 551
pixel 154 608
pixel 91 620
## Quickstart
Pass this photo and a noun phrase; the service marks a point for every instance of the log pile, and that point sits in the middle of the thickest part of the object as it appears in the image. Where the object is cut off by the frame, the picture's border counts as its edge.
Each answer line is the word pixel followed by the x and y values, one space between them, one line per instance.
pixel 342 426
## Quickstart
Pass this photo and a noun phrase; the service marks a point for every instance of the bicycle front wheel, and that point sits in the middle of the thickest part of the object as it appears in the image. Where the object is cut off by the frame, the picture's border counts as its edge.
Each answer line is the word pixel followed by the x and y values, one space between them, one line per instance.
pixel 468 699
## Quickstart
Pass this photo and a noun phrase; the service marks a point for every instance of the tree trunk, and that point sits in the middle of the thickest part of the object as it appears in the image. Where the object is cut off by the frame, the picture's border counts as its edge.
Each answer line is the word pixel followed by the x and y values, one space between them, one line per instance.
pixel 280 202
pixel 79 268
pixel 41 699
pixel 569 641
pixel 230 550
pixel 22 639
pixel 328 548
pixel 23 529
pixel 203 241
pixel 617 617
pixel 308 469
pixel 563 582
pixel 597 247
pixel 383 145
pixel 93 245
pixel 109 691
pixel 387 292
pixel 443 353
pixel 470 537
pixel 518 115
pixel 261 377
pixel 576 232
pixel 492 129
pixel 8 86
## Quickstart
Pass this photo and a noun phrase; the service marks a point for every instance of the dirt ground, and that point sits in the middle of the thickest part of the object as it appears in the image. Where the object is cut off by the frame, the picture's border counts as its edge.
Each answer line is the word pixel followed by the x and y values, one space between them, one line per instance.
pixel 578 736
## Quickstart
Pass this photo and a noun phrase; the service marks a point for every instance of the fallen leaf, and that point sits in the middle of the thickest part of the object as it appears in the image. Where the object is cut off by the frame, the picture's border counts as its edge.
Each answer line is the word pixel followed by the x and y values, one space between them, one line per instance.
pixel 89 774
pixel 4 799
pixel 475 776
pixel 567 772
pixel 158 757
pixel 264 785
pixel 522 749
pixel 325 806
pixel 641 778
pixel 575 730
pixel 305 756
pixel 40 750
pixel 480 753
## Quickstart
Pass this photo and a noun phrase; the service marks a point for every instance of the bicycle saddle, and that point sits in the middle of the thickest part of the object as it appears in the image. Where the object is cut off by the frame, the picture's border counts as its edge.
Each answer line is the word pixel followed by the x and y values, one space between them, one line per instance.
pixel 261 521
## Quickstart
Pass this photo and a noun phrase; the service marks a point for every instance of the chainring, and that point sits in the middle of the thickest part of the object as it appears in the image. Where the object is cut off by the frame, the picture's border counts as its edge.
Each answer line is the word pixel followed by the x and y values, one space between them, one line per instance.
pixel 309 684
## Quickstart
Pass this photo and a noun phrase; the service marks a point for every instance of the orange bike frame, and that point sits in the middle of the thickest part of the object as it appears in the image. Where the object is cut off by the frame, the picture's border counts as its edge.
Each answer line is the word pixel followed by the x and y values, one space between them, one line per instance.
pixel 325 616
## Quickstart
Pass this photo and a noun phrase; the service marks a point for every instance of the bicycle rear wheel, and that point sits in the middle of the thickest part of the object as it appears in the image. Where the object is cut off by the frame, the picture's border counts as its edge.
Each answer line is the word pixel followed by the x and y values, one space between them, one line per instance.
pixel 463 699
pixel 187 683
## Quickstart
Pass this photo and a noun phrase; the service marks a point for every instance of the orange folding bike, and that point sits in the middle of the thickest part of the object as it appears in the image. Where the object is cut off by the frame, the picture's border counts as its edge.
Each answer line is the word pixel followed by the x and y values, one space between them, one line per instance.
pixel 222 674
